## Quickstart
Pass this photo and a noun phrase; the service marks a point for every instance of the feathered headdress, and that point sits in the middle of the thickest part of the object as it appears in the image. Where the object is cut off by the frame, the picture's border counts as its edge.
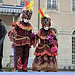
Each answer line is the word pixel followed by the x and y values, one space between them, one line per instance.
pixel 41 12
pixel 44 16
pixel 28 5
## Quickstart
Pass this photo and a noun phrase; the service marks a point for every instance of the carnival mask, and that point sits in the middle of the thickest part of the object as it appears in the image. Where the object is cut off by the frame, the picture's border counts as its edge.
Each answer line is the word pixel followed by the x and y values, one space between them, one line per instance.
pixel 46 21
pixel 25 20
pixel 46 28
pixel 27 10
pixel 26 14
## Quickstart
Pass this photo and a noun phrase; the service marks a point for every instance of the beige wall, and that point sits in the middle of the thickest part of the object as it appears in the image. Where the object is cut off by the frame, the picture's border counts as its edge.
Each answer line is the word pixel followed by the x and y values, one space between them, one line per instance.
pixel 63 21
pixel 63 17
pixel 11 2
pixel 34 18
pixel 8 19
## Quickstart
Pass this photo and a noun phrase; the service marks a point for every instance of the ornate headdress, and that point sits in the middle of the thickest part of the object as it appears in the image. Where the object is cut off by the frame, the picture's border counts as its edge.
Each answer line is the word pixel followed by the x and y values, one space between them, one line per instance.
pixel 41 12
pixel 45 19
pixel 27 10
pixel 28 6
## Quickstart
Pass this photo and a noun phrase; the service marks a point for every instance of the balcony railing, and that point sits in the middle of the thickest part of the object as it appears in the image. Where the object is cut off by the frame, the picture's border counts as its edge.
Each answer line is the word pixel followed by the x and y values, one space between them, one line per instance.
pixel 16 9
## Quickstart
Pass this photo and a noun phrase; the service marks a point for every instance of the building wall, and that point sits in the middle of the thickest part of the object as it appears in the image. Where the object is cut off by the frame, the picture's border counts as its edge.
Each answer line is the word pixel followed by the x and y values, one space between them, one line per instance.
pixel 12 2
pixel 63 17
pixel 7 20
pixel 62 21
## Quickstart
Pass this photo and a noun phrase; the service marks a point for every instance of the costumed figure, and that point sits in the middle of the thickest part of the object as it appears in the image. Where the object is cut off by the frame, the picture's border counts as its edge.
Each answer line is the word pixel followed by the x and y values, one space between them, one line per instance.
pixel 46 52
pixel 2 36
pixel 23 37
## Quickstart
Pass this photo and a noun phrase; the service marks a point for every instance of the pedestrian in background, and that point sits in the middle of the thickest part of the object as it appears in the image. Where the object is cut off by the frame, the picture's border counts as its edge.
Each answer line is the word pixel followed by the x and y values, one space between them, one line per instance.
pixel 2 36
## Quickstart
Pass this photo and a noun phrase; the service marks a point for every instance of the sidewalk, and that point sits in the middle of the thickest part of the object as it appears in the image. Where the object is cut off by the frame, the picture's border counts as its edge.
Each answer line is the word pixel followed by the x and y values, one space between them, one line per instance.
pixel 8 69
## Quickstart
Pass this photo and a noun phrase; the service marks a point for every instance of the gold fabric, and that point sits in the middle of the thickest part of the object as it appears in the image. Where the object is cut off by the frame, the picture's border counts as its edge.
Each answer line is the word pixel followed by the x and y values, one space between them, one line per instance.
pixel 47 67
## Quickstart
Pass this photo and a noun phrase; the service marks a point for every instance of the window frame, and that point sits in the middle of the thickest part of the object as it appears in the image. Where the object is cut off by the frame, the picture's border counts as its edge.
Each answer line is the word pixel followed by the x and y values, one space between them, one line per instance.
pixel 73 5
pixel 53 6
pixel 73 48
pixel 22 2
pixel 1 1
pixel 53 10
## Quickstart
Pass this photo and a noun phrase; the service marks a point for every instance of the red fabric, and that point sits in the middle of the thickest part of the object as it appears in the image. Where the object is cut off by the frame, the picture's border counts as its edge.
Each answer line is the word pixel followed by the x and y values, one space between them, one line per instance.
pixel 41 33
pixel 44 47
pixel 11 33
pixel 25 65
pixel 23 42
pixel 46 52
pixel 53 49
pixel 34 42
pixel 23 30
pixel 23 26
pixel 13 24
pixel 21 57
pixel 19 64
pixel 23 33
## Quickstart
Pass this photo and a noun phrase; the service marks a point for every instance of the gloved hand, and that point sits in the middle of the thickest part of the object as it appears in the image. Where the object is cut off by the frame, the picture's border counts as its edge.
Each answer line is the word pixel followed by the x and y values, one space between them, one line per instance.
pixel 32 35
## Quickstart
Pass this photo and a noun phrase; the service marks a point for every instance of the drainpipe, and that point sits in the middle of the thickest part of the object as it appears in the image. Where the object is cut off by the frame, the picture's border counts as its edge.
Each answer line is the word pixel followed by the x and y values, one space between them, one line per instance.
pixel 13 16
pixel 13 21
pixel 38 15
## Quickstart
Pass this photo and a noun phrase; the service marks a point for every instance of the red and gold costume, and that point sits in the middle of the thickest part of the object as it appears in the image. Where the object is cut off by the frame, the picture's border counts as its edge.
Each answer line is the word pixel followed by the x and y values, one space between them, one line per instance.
pixel 46 51
pixel 23 42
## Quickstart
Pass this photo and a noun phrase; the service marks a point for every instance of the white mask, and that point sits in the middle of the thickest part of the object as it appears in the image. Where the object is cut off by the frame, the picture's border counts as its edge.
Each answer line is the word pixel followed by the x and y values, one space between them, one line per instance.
pixel 46 28
pixel 25 20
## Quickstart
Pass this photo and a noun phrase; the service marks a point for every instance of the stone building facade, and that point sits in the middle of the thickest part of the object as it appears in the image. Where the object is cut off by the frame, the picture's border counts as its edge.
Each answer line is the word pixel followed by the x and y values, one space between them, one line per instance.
pixel 62 13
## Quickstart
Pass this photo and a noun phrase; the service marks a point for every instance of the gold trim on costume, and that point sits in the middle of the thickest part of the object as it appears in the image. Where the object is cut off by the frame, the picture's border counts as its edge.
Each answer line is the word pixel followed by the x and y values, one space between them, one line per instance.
pixel 43 46
pixel 44 37
pixel 22 38
pixel 25 28
pixel 41 37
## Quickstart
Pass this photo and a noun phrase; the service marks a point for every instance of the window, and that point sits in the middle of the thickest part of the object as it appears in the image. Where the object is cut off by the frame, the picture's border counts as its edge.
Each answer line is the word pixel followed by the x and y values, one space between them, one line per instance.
pixel 73 5
pixel 1 1
pixel 22 2
pixel 73 48
pixel 51 4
